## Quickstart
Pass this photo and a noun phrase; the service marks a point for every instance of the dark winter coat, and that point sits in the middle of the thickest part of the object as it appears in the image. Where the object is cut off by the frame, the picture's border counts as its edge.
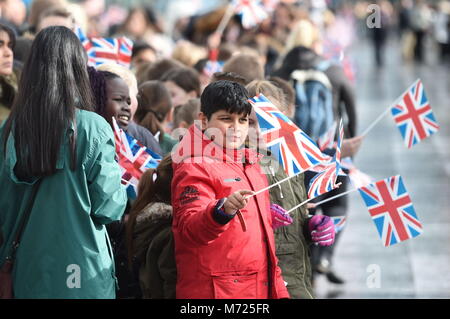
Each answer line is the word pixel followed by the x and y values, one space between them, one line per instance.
pixel 154 247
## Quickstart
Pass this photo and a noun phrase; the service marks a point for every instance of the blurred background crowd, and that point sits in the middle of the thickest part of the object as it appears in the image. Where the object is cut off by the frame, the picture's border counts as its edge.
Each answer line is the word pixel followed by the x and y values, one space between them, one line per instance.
pixel 181 29
pixel 174 39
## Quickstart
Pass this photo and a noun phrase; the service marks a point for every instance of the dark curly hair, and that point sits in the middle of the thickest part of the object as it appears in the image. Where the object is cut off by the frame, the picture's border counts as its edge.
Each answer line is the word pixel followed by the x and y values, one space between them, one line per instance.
pixel 98 85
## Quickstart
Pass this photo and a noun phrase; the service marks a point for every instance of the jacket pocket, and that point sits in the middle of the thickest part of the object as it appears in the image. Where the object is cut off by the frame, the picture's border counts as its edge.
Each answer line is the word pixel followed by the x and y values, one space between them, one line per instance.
pixel 235 286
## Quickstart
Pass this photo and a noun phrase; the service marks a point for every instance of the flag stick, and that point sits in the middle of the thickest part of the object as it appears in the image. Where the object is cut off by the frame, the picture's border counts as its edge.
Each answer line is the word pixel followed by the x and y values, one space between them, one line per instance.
pixel 387 110
pixel 128 182
pixel 225 19
pixel 336 196
pixel 277 183
pixel 324 201
pixel 376 121
pixel 282 181
pixel 299 205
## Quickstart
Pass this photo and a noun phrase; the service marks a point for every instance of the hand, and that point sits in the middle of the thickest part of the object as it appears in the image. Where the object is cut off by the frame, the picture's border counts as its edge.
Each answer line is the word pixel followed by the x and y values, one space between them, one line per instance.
pixel 279 216
pixel 214 40
pixel 236 201
pixel 322 230
pixel 350 146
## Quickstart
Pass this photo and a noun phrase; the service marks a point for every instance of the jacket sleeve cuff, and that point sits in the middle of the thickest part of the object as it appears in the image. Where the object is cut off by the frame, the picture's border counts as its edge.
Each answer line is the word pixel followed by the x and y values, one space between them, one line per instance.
pixel 219 214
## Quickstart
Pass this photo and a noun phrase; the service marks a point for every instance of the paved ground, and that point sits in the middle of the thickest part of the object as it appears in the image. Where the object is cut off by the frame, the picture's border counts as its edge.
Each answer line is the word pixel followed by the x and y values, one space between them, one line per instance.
pixel 418 268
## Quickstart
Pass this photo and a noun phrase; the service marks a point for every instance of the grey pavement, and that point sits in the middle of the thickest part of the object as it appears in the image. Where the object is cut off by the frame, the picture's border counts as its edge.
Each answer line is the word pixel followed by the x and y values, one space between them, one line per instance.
pixel 420 267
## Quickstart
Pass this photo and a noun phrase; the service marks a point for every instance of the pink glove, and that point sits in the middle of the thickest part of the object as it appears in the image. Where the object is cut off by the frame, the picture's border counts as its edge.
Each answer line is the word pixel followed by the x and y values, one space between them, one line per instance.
pixel 322 230
pixel 279 216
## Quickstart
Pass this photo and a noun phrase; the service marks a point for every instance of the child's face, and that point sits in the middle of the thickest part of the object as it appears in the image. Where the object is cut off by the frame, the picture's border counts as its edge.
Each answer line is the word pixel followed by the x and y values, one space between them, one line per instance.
pixel 228 130
pixel 178 95
pixel 255 137
pixel 118 102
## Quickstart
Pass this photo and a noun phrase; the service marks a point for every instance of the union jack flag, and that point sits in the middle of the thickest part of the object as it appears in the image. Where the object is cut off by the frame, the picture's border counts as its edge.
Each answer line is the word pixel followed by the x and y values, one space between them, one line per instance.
pixel 295 150
pixel 339 222
pixel 391 209
pixel 413 115
pixel 134 159
pixel 325 181
pixel 327 139
pixel 106 50
pixel 251 11
pixel 212 67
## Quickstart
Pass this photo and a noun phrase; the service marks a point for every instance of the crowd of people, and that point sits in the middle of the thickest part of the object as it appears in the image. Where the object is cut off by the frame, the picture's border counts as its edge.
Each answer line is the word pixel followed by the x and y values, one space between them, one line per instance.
pixel 196 228
pixel 419 26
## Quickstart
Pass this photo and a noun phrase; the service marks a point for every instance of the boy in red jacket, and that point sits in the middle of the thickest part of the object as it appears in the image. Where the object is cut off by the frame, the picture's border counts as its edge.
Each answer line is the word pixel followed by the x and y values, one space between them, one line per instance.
pixel 224 244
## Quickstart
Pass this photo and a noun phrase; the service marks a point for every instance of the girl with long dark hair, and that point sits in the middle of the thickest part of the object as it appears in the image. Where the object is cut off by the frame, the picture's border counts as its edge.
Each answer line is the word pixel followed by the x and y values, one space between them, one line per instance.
pixel 51 138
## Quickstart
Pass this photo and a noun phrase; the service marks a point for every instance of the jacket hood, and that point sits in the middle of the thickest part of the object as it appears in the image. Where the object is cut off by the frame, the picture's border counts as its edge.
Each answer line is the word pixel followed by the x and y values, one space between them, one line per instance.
pixel 195 144
pixel 153 219
pixel 154 212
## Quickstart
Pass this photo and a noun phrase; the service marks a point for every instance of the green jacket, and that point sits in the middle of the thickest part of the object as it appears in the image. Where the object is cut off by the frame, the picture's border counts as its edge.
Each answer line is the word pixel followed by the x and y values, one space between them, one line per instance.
pixel 167 143
pixel 65 251
pixel 292 245
pixel 155 252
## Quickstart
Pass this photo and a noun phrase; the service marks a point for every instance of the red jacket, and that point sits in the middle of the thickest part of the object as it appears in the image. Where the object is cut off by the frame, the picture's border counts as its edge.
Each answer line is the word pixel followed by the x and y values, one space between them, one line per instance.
pixel 215 260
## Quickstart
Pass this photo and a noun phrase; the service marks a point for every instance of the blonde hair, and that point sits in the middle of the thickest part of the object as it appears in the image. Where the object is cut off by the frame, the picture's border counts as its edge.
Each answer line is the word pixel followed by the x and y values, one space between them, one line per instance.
pixel 122 72
pixel 246 65
pixel 39 6
pixel 304 33
pixel 188 53
pixel 270 91
pixel 79 15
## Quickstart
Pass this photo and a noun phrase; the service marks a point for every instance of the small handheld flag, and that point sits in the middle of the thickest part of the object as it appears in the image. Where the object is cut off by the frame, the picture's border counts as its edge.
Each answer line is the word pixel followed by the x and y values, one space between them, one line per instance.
pixel 295 150
pixel 106 50
pixel 325 181
pixel 391 210
pixel 327 139
pixel 134 159
pixel 212 67
pixel 413 115
pixel 252 12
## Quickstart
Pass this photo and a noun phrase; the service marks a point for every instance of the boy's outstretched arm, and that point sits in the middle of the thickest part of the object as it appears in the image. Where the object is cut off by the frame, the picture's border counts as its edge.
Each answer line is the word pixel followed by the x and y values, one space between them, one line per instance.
pixel 194 200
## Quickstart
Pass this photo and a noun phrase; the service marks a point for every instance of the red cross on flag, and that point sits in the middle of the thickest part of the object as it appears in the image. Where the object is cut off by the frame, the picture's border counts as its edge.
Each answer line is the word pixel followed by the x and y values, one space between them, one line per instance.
pixel 413 115
pixel 391 210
